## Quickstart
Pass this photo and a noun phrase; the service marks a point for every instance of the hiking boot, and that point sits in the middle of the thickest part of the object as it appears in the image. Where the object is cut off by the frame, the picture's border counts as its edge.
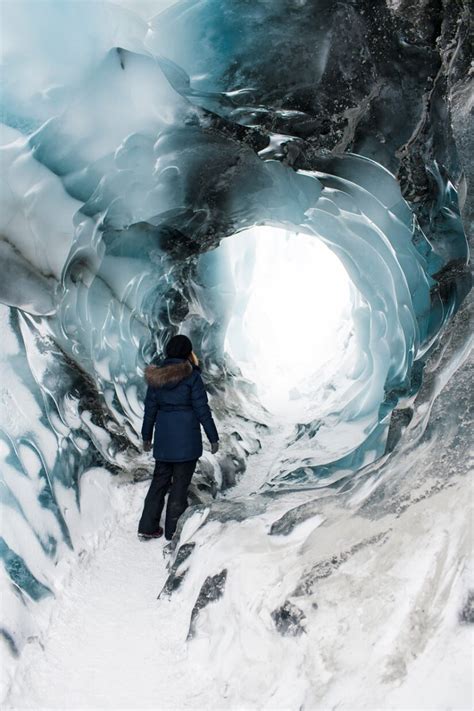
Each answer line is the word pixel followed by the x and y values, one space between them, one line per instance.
pixel 149 536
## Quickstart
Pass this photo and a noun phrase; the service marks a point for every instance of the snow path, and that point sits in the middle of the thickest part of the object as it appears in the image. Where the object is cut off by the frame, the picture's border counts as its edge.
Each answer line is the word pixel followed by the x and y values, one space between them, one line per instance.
pixel 110 643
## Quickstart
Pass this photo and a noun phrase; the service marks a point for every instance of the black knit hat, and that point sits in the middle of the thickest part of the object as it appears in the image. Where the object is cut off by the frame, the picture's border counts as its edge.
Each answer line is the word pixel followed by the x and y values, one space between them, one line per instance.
pixel 178 347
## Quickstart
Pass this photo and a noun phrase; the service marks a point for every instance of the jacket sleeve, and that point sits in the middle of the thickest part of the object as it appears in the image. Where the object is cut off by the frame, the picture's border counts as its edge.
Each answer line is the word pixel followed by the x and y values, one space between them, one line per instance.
pixel 151 408
pixel 201 407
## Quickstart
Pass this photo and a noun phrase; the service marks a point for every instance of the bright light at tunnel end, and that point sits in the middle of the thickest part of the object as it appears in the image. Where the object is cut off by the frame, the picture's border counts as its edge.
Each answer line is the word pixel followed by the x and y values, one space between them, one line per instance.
pixel 297 314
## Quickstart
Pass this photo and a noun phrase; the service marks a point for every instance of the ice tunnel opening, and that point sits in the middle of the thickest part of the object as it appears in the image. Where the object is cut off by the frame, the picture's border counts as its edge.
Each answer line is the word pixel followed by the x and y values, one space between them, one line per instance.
pixel 291 325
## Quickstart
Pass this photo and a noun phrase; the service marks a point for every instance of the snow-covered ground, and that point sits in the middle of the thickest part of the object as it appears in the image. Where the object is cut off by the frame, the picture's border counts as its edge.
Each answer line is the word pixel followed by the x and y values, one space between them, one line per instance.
pixel 111 644
pixel 374 608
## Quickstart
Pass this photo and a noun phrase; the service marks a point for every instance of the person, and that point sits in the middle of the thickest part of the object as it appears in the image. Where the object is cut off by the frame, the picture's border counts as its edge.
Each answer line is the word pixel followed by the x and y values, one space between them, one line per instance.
pixel 176 406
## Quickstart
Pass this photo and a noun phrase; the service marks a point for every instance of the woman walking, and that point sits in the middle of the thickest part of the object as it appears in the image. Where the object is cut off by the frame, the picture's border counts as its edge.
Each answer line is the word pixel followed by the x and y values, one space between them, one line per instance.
pixel 176 406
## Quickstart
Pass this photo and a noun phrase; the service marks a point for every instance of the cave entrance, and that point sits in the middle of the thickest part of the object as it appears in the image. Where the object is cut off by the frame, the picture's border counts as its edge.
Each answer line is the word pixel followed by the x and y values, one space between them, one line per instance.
pixel 291 331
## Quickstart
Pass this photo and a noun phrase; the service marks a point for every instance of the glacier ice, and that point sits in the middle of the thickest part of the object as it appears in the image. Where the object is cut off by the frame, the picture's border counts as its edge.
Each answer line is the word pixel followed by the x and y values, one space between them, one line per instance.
pixel 146 141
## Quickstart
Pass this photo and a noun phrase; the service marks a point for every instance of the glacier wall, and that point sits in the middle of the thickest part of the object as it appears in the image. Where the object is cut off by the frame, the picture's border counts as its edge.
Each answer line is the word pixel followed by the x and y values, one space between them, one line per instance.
pixel 137 146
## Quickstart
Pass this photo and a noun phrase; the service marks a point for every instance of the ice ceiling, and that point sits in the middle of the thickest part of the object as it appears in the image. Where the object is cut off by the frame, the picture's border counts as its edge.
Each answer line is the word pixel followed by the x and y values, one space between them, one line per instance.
pixel 147 168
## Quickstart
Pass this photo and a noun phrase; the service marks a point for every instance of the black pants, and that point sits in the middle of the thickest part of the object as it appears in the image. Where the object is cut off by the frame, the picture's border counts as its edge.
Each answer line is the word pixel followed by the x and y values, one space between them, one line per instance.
pixel 179 474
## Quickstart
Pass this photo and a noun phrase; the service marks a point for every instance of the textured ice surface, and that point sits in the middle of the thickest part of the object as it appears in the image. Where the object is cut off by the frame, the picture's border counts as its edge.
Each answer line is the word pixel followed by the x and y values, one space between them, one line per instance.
pixel 133 150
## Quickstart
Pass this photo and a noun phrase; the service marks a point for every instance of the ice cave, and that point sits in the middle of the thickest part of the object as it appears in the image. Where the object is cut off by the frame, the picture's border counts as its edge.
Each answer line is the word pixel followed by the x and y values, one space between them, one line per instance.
pixel 289 183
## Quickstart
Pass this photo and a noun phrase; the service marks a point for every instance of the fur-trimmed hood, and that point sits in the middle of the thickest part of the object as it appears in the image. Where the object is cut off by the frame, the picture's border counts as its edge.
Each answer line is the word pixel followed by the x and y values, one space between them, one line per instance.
pixel 167 375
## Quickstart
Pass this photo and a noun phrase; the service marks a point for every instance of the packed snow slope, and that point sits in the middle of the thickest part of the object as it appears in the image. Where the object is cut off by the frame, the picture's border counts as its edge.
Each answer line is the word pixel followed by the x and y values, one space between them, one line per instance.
pixel 160 166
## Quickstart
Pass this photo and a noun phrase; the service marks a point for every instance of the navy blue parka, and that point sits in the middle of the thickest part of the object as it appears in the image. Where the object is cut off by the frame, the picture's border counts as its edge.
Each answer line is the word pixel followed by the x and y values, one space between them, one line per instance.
pixel 176 406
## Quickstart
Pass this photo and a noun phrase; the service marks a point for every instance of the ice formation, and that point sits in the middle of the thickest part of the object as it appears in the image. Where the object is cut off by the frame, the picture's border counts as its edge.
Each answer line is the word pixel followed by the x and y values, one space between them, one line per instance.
pixel 146 147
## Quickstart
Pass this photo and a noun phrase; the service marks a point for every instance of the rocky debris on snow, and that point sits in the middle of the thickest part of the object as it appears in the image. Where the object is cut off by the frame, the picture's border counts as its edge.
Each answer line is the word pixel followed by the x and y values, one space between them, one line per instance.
pixel 326 567
pixel 212 589
pixel 176 576
pixel 286 523
pixel 288 619
pixel 466 614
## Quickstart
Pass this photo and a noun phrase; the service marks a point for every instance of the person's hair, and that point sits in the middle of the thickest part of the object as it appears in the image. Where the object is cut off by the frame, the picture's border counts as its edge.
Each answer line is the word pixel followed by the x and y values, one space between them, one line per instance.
pixel 178 347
